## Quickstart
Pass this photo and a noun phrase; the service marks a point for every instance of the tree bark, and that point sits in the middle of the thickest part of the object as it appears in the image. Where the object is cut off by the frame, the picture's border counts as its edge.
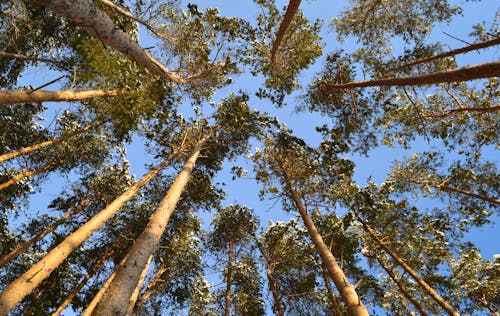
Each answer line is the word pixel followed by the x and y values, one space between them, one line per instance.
pixel 84 281
pixel 87 15
pixel 229 278
pixel 401 287
pixel 331 295
pixel 351 299
pixel 291 10
pixel 147 293
pixel 38 96
pixel 486 70
pixel 137 290
pixel 29 173
pixel 27 150
pixel 115 299
pixel 22 286
pixel 25 245
pixel 426 287
pixel 278 304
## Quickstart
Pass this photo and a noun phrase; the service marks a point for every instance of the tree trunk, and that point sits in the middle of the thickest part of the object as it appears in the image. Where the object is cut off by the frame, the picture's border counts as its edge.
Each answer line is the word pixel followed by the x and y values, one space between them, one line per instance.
pixel 27 150
pixel 454 52
pixel 14 293
pixel 278 304
pixel 229 278
pixel 87 15
pixel 331 295
pixel 426 287
pixel 38 96
pixel 117 296
pixel 147 293
pixel 291 10
pixel 84 281
pixel 486 70
pixel 137 290
pixel 351 299
pixel 25 245
pixel 29 173
pixel 401 287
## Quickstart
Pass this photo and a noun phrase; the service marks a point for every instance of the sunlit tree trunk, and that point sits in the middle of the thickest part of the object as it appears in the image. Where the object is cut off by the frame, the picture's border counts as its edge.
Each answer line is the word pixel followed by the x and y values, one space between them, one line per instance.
pixel 37 96
pixel 331 295
pixel 29 149
pixel 87 15
pixel 347 292
pixel 117 296
pixel 426 287
pixel 29 173
pixel 14 293
pixel 291 10
pixel 147 293
pixel 86 278
pixel 486 70
pixel 278 304
pixel 25 245
pixel 137 290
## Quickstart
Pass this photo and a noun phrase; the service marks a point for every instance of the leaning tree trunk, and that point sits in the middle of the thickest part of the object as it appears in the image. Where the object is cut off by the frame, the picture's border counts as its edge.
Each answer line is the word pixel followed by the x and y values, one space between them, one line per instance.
pixel 87 15
pixel 351 299
pixel 29 173
pixel 426 287
pixel 149 288
pixel 38 96
pixel 29 149
pixel 25 245
pixel 14 293
pixel 291 10
pixel 137 290
pixel 486 70
pixel 115 299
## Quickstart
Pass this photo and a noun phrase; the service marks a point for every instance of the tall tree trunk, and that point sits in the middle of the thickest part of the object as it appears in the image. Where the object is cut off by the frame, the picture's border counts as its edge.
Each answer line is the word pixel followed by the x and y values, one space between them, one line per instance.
pixel 38 96
pixel 137 290
pixel 147 293
pixel 331 295
pixel 426 287
pixel 22 286
pixel 84 281
pixel 87 15
pixel 229 278
pixel 25 245
pixel 29 149
pixel 401 287
pixel 351 299
pixel 291 10
pixel 278 304
pixel 454 52
pixel 29 173
pixel 486 70
pixel 117 296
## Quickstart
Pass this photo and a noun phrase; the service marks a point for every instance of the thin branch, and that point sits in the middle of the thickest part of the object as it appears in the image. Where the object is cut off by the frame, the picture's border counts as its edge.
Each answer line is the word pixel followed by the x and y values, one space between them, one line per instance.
pixel 24 57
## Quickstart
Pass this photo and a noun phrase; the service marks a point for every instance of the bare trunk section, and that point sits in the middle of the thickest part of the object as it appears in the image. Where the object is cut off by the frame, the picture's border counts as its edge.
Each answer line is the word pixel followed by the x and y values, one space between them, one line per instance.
pixel 14 293
pixel 29 149
pixel 426 287
pixel 137 290
pixel 87 15
pixel 147 293
pixel 115 299
pixel 229 278
pixel 401 287
pixel 291 10
pixel 29 173
pixel 351 299
pixel 25 245
pixel 37 96
pixel 486 70
pixel 82 283
pixel 454 52
pixel 278 304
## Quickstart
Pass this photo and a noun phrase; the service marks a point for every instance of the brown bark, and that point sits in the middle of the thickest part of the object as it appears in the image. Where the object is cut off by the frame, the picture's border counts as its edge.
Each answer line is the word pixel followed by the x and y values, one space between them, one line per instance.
pixel 117 296
pixel 147 293
pixel 87 15
pixel 22 286
pixel 84 281
pixel 37 96
pixel 27 150
pixel 426 287
pixel 454 52
pixel 401 287
pixel 331 295
pixel 25 245
pixel 137 290
pixel 488 305
pixel 229 278
pixel 278 304
pixel 291 10
pixel 29 173
pixel 351 299
pixel 486 70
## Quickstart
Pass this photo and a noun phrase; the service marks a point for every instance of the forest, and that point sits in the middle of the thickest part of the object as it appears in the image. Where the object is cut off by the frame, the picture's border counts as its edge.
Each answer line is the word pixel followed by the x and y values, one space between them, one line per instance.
pixel 204 158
